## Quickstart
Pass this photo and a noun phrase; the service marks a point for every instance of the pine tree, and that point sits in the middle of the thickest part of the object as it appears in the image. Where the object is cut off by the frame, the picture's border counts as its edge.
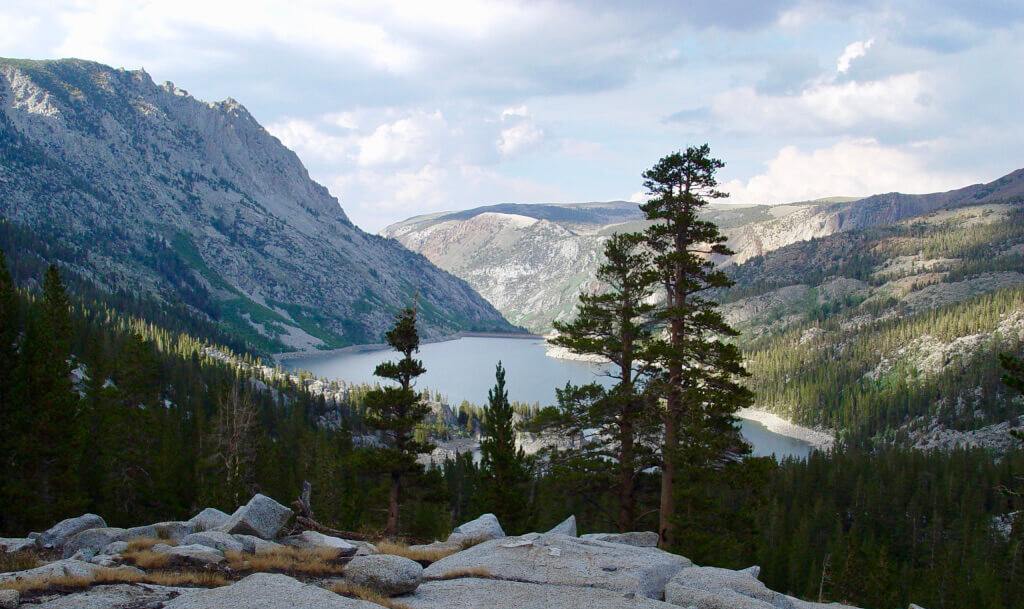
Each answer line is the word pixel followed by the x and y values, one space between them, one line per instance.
pixel 698 369
pixel 9 330
pixel 396 411
pixel 505 471
pixel 616 325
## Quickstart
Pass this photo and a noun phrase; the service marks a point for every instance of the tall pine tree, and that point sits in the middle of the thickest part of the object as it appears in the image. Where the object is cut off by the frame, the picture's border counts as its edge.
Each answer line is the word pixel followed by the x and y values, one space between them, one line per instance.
pixel 699 370
pixel 616 325
pixel 396 411
pixel 504 468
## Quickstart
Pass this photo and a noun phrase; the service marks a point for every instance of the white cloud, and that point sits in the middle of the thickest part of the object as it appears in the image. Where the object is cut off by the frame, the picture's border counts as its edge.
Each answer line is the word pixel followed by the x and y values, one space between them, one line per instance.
pixel 853 51
pixel 856 167
pixel 414 140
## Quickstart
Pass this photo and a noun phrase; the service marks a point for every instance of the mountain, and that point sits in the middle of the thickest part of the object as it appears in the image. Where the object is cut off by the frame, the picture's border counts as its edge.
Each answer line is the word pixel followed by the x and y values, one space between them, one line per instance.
pixel 878 318
pixel 149 190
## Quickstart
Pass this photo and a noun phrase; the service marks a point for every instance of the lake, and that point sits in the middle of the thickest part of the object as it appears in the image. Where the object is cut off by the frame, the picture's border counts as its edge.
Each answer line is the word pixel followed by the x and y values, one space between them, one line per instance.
pixel 463 369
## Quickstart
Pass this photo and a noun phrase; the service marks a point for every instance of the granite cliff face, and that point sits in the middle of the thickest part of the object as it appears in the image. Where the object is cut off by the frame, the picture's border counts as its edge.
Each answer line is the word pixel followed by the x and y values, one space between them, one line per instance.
pixel 152 190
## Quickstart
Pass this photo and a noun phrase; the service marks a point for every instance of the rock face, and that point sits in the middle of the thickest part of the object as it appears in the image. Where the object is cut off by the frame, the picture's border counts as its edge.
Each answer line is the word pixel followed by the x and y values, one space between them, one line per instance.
pixel 267 591
pixel 714 588
pixel 56 536
pixel 9 599
pixel 92 541
pixel 570 561
pixel 389 575
pixel 640 539
pixel 215 539
pixel 60 568
pixel 209 518
pixel 483 528
pixel 262 517
pixel 256 545
pixel 495 594
pixel 195 554
pixel 313 539
pixel 16 544
pixel 98 154
pixel 115 596
pixel 566 527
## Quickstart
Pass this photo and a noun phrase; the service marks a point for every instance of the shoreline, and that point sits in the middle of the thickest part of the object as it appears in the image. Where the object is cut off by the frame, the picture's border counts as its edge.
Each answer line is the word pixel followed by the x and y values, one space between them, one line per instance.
pixel 291 355
pixel 819 440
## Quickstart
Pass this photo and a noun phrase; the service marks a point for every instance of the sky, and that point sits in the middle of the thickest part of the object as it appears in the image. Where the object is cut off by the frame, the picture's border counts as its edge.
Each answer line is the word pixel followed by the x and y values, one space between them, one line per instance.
pixel 407 108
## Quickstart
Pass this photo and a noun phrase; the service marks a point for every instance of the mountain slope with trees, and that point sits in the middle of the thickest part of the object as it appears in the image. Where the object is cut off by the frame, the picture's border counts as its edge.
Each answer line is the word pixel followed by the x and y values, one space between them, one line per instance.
pixel 148 189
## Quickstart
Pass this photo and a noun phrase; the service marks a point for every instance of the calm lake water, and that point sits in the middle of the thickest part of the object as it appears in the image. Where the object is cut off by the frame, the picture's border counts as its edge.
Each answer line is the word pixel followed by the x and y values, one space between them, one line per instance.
pixel 463 369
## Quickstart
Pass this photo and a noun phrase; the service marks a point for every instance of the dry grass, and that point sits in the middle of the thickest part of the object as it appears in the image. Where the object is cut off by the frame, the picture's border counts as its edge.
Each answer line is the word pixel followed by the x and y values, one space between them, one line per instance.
pixel 418 554
pixel 478 572
pixel 304 561
pixel 144 543
pixel 366 594
pixel 19 561
pixel 147 559
pixel 115 576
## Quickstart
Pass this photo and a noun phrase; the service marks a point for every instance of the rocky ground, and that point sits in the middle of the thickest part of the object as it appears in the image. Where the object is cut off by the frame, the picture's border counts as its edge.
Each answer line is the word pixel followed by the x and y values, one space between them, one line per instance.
pixel 217 560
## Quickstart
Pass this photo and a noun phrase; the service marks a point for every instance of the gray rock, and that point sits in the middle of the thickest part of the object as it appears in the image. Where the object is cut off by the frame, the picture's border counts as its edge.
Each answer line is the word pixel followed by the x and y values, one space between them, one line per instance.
pixel 801 604
pixel 209 518
pixel 915 606
pixel 443 546
pixel 194 554
pixel 267 591
pixel 256 545
pixel 114 596
pixel 640 539
pixel 56 536
pixel 9 599
pixel 91 541
pixel 173 530
pixel 389 575
pixel 571 561
pixel 115 547
pixel 16 544
pixel 262 517
pixel 496 594
pixel 715 588
pixel 83 554
pixel 60 568
pixel 363 548
pixel 214 539
pixel 482 529
pixel 105 560
pixel 312 539
pixel 566 527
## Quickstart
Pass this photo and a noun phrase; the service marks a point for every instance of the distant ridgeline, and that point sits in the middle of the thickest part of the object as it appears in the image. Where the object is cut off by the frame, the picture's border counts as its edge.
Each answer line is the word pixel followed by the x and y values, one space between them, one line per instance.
pixel 143 188
pixel 879 318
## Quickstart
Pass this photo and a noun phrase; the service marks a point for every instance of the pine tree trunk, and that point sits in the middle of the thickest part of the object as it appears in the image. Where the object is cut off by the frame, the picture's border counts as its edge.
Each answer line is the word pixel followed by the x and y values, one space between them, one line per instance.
pixel 626 479
pixel 667 508
pixel 392 528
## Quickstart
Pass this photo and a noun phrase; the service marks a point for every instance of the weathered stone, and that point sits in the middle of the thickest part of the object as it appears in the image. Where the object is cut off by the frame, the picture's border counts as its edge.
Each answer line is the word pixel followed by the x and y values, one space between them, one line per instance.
pixel 715 588
pixel 560 559
pixel 91 541
pixel 640 539
pixel 195 554
pixel 363 548
pixel 9 599
pixel 312 539
pixel 267 591
pixel 60 568
pixel 801 604
pixel 16 544
pixel 469 593
pixel 262 517
pixel 256 545
pixel 114 596
pixel 173 530
pixel 566 527
pixel 441 546
pixel 482 529
pixel 214 539
pixel 115 547
pixel 387 574
pixel 209 518
pixel 56 536
pixel 105 560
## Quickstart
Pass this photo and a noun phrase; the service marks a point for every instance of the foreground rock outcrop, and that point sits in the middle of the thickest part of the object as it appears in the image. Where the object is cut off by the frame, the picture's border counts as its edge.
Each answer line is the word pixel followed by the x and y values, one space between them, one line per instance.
pixel 478 567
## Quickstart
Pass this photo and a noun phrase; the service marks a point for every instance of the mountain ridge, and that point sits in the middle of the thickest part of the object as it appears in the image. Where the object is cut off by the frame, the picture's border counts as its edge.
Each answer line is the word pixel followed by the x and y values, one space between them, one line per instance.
pixel 196 202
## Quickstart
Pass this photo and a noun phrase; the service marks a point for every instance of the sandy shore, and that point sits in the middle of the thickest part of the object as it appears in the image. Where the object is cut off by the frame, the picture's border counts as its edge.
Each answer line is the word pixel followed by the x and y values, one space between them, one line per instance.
pixel 776 424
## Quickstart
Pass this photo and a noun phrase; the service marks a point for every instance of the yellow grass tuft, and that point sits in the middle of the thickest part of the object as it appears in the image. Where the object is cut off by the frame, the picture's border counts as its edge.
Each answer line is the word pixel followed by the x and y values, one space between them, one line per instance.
pixel 19 561
pixel 147 559
pixel 366 594
pixel 398 548
pixel 479 572
pixel 115 576
pixel 305 561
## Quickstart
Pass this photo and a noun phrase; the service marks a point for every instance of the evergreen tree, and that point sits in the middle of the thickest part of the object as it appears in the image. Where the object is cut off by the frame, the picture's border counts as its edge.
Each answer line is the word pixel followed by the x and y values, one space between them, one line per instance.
pixel 698 380
pixel 9 329
pixel 396 411
pixel 504 469
pixel 616 325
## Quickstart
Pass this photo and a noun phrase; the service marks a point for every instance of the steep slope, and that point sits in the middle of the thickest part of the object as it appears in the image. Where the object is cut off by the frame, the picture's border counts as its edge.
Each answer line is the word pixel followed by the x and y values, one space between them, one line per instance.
pixel 155 191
